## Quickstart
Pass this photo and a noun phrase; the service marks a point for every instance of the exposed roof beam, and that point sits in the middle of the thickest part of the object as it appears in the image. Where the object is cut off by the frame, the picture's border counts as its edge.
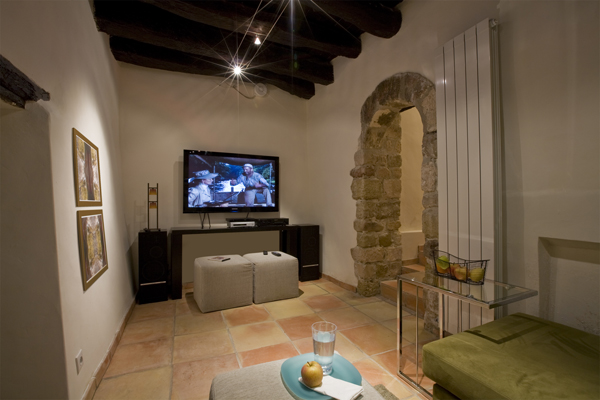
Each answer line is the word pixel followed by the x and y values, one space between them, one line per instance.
pixel 236 17
pixel 16 88
pixel 148 24
pixel 369 16
pixel 150 56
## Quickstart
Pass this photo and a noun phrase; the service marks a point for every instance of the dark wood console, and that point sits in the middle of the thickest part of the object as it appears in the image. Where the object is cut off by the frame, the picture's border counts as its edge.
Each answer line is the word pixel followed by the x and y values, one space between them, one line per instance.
pixel 290 242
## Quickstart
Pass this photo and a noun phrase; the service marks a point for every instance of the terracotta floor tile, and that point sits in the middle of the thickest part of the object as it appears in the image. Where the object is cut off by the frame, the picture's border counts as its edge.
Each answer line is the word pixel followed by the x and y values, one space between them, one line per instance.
pixel 246 315
pixel 287 308
pixel 388 360
pixel 151 384
pixel 307 283
pixel 379 311
pixel 192 380
pixel 250 337
pixel 143 312
pixel 391 324
pixel 190 323
pixel 347 349
pixel 400 389
pixel 304 345
pixel 267 354
pixel 354 299
pixel 330 287
pixel 311 290
pixel 324 302
pixel 299 327
pixel 187 305
pixel 199 346
pixel 140 356
pixel 147 330
pixel 373 373
pixel 345 318
pixel 372 339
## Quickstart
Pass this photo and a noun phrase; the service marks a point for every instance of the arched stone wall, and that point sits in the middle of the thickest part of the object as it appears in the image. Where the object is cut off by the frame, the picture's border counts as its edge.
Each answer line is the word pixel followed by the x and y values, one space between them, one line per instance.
pixel 377 174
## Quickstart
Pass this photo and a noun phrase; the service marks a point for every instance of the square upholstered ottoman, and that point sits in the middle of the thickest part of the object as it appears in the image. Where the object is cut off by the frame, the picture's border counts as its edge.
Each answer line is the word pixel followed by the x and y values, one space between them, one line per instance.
pixel 275 278
pixel 220 284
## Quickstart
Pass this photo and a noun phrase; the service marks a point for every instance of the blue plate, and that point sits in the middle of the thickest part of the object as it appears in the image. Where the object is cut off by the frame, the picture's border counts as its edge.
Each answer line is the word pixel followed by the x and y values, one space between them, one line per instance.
pixel 290 372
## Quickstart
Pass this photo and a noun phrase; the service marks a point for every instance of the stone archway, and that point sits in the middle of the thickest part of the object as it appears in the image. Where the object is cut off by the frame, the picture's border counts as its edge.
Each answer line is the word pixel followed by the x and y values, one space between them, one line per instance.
pixel 377 174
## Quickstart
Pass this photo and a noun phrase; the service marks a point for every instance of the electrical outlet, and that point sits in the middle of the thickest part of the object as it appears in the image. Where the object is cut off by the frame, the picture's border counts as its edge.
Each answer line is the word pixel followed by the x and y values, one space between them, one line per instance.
pixel 79 361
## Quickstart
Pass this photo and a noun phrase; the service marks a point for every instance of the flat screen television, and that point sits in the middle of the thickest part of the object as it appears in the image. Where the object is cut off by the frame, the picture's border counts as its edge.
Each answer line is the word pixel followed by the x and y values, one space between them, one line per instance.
pixel 228 182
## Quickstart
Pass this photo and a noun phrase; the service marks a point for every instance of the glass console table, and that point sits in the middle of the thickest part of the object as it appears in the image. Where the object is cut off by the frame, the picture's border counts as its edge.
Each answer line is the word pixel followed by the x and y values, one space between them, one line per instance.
pixel 490 295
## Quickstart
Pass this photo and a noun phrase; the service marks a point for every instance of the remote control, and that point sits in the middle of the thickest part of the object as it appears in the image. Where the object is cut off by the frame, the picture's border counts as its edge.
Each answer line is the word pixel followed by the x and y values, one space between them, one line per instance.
pixel 265 252
pixel 276 254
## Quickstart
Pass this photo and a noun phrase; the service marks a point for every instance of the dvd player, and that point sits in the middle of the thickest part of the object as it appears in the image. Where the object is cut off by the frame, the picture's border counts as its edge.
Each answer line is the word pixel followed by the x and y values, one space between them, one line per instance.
pixel 272 221
pixel 240 222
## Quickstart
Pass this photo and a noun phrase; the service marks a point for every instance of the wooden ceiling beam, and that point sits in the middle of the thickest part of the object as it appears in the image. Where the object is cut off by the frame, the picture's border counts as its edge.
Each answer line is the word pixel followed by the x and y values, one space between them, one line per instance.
pixel 16 88
pixel 146 55
pixel 323 35
pixel 148 24
pixel 370 16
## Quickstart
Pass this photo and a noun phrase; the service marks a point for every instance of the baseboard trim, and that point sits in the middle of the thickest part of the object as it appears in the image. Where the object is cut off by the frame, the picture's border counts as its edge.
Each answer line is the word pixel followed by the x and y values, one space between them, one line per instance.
pixel 339 283
pixel 95 380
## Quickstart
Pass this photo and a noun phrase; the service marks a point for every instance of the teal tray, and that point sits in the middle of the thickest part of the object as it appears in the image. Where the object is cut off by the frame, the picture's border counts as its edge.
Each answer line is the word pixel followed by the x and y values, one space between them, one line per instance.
pixel 290 372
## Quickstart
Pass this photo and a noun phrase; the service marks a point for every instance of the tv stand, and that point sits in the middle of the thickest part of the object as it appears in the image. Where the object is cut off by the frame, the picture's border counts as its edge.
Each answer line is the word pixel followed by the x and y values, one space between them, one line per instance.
pixel 291 239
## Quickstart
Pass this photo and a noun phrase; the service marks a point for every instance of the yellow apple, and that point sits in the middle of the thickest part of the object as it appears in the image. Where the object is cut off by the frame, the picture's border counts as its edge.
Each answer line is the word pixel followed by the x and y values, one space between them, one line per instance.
pixel 453 268
pixel 460 273
pixel 442 264
pixel 476 274
pixel 312 374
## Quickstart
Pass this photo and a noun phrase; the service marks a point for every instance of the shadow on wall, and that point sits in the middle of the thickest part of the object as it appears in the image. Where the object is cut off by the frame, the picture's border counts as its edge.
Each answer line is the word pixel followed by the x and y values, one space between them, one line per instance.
pixel 569 272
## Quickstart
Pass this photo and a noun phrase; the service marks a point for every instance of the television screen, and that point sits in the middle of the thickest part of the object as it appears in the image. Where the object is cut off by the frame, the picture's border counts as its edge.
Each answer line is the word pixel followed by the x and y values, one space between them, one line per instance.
pixel 228 182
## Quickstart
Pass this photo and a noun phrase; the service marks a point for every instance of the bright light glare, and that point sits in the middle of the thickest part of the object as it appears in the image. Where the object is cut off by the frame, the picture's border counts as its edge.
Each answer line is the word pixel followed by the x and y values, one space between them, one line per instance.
pixel 257 41
pixel 237 70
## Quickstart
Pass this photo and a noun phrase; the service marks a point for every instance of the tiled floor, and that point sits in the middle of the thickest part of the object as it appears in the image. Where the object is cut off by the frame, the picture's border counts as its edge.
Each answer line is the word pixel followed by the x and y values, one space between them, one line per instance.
pixel 171 350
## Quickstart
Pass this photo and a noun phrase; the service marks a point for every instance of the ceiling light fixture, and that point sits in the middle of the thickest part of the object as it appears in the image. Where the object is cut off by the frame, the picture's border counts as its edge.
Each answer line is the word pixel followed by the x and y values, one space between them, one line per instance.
pixel 237 70
pixel 257 41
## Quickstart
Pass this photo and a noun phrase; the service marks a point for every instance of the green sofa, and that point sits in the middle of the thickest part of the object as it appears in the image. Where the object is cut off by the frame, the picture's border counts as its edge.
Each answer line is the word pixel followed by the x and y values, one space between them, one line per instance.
pixel 518 357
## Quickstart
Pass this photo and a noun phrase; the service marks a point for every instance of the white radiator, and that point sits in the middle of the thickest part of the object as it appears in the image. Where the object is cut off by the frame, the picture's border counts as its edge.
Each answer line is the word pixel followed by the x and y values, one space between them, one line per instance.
pixel 466 152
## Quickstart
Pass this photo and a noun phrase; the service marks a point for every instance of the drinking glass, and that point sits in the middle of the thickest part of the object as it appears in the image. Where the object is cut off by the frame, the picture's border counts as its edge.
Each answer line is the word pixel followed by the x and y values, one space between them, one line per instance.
pixel 323 334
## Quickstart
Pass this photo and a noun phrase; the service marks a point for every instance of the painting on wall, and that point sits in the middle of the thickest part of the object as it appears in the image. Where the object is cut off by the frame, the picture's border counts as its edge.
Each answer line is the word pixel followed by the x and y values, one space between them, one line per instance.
pixel 87 171
pixel 92 246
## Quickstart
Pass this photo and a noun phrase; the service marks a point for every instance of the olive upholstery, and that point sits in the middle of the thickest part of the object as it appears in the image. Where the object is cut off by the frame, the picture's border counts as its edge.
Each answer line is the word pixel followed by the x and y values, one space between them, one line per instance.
pixel 516 357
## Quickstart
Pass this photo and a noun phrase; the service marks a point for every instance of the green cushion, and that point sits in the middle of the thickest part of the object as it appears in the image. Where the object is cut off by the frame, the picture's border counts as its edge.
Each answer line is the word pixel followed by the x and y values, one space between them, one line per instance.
pixel 516 357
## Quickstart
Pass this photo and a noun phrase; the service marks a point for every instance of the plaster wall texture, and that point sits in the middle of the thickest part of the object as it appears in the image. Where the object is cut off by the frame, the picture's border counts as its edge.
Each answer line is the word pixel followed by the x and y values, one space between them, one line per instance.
pixel 411 207
pixel 56 44
pixel 549 84
pixel 163 113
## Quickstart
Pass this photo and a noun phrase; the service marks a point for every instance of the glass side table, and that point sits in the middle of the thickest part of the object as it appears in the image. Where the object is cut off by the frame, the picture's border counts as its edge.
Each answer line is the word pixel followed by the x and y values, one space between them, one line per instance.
pixel 490 295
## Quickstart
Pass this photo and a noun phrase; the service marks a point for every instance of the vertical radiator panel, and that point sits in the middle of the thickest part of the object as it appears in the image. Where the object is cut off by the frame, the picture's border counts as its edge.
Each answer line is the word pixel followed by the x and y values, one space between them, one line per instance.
pixel 466 157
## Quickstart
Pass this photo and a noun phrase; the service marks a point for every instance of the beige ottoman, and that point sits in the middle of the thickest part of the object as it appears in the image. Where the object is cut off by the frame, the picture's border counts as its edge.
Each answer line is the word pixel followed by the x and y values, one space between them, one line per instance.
pixel 275 278
pixel 219 284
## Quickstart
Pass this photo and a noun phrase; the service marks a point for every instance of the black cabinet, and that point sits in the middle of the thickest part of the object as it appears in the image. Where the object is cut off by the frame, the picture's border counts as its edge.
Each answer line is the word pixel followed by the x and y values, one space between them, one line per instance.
pixel 309 252
pixel 153 267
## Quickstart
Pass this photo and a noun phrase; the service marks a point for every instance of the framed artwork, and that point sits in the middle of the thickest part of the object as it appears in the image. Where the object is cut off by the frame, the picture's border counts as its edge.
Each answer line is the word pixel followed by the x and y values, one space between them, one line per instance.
pixel 92 246
pixel 87 171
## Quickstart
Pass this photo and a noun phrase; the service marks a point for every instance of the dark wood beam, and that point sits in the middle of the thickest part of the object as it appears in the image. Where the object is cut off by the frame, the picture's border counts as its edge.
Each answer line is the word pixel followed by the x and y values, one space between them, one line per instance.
pixel 242 17
pixel 145 55
pixel 16 88
pixel 370 16
pixel 148 24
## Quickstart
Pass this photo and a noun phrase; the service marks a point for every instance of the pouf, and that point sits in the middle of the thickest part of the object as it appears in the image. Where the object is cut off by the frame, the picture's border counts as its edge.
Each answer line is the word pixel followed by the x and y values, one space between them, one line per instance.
pixel 263 381
pixel 222 282
pixel 275 278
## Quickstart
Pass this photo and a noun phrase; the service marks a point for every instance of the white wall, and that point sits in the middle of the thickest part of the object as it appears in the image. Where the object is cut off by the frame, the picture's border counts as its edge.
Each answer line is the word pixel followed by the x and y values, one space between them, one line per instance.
pixel 549 67
pixel 550 86
pixel 334 113
pixel 163 113
pixel 57 45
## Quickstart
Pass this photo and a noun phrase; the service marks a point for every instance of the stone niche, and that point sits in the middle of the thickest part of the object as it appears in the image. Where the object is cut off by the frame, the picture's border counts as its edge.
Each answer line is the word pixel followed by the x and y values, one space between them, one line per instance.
pixel 377 183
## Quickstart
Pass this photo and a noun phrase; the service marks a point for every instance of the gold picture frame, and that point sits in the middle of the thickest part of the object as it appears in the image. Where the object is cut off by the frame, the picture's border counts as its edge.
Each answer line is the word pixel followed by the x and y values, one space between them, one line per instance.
pixel 92 246
pixel 88 190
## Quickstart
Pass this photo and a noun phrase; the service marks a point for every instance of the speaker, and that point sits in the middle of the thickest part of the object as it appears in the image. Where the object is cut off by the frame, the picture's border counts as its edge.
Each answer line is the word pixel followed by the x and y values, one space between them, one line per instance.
pixel 153 267
pixel 309 252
